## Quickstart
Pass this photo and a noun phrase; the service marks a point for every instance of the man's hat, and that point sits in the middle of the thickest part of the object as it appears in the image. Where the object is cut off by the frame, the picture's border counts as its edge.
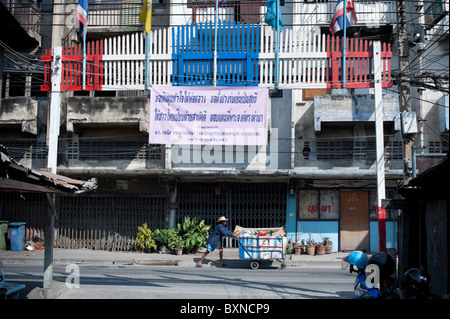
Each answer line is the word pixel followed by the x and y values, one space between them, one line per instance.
pixel 222 219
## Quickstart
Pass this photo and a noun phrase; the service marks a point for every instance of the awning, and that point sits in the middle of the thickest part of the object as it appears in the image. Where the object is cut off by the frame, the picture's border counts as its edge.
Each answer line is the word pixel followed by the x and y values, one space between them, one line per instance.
pixel 431 184
pixel 16 177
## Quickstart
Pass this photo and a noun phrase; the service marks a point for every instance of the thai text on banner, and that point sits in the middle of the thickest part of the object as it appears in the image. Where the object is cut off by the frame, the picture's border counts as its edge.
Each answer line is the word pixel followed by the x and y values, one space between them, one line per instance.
pixel 208 115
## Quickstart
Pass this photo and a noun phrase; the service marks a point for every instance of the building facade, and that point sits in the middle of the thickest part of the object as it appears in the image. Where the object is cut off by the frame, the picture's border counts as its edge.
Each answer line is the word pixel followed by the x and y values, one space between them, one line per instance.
pixel 317 171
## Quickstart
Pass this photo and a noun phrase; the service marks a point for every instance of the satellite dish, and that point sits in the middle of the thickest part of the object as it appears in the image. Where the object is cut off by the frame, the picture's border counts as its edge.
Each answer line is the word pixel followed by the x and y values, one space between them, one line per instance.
pixel 418 35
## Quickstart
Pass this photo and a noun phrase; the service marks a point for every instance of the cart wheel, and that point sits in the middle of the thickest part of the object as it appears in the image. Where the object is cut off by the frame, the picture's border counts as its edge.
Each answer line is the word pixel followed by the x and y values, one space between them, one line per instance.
pixel 254 265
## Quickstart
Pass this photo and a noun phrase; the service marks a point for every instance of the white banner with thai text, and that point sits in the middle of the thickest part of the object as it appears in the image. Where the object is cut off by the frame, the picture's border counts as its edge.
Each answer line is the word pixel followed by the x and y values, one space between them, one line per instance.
pixel 208 115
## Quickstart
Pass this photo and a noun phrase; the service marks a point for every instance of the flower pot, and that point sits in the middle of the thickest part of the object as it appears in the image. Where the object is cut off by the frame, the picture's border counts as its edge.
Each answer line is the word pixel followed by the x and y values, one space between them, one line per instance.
pixel 310 250
pixel 320 250
pixel 298 250
pixel 329 248
pixel 178 251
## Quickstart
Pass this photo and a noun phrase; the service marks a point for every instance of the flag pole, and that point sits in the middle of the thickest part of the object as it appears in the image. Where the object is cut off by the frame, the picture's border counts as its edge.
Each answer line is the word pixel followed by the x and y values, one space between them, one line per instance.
pixel 84 57
pixel 344 49
pixel 144 17
pixel 147 60
pixel 215 45
pixel 277 50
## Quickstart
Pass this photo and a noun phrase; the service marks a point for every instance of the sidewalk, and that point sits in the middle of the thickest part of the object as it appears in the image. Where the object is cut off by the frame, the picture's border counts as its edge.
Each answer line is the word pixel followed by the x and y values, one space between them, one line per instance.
pixel 99 257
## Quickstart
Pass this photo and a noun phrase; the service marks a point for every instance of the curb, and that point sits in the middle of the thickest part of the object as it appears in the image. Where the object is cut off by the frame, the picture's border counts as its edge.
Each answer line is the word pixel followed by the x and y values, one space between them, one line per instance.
pixel 156 262
pixel 57 289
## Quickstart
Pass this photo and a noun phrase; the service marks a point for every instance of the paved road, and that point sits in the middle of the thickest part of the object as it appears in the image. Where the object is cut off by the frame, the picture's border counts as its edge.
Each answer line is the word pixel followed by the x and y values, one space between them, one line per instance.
pixel 153 282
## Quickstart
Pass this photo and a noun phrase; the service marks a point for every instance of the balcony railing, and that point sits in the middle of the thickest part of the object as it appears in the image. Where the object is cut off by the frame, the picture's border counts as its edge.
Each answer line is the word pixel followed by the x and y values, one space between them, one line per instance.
pixel 27 15
pixel 305 60
pixel 320 12
pixel 300 13
pixel 114 14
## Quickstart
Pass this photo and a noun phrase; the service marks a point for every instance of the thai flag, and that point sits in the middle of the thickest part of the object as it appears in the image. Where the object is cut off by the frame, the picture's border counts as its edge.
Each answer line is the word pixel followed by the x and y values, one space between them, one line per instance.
pixel 337 22
pixel 82 13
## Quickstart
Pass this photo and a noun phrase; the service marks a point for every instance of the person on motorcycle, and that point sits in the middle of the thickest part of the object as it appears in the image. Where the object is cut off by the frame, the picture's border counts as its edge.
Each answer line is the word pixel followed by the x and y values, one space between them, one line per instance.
pixel 363 288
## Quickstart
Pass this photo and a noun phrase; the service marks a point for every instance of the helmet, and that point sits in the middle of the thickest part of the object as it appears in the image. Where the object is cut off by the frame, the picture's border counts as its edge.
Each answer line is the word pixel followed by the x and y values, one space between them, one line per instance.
pixel 385 263
pixel 356 258
pixel 415 284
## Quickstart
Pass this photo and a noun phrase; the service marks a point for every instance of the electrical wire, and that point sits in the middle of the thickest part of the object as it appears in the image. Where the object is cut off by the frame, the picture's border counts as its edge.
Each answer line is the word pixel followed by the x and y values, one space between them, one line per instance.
pixel 112 69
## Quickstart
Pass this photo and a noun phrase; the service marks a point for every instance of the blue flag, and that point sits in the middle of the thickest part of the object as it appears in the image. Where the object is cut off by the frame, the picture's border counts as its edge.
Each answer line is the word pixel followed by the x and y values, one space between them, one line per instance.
pixel 271 15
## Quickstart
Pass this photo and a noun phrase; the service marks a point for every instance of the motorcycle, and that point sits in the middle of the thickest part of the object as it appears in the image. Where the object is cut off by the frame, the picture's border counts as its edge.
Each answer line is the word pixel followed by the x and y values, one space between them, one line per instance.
pixel 374 275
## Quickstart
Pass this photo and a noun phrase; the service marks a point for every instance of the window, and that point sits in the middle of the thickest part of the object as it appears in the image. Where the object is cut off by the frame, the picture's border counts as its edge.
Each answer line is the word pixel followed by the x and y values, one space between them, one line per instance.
pixel 106 150
pixel 318 204
pixel 437 147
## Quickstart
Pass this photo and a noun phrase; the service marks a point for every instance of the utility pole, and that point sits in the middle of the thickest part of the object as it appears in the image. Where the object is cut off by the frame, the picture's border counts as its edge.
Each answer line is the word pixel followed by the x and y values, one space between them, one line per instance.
pixel 52 161
pixel 379 132
pixel 404 86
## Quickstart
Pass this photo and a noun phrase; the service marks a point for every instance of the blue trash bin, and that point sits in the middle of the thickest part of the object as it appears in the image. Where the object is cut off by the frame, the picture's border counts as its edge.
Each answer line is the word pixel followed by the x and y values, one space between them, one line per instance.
pixel 17 235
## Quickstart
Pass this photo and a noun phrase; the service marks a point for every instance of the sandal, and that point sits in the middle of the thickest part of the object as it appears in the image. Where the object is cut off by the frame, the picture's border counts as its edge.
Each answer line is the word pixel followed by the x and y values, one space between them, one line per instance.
pixel 198 265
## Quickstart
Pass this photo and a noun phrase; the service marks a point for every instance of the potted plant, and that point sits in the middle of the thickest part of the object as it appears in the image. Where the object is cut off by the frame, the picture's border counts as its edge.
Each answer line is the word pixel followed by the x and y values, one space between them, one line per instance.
pixel 310 245
pixel 193 232
pixel 161 238
pixel 175 241
pixel 298 249
pixel 177 245
pixel 144 238
pixel 328 245
pixel 320 249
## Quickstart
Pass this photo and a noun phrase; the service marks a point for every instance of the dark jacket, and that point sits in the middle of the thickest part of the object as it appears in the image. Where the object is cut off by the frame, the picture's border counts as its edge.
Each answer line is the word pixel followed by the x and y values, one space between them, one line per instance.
pixel 215 239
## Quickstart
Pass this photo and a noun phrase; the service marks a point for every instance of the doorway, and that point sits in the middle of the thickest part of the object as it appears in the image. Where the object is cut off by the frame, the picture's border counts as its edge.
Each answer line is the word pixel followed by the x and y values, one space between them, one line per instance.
pixel 354 225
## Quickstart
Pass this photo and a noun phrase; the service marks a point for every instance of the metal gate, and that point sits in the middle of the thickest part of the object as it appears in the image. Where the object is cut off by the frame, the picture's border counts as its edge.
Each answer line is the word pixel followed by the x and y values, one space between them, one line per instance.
pixel 237 54
pixel 254 205
pixel 103 222
pixel 107 222
pixel 25 207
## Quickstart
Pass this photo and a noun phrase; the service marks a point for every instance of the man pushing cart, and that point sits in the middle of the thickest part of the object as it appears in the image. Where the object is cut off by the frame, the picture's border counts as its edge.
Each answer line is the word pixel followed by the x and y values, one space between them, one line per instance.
pixel 256 244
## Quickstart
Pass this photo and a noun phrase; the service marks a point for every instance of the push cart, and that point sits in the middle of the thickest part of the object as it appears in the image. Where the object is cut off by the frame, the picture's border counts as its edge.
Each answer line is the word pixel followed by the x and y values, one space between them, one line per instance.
pixel 257 248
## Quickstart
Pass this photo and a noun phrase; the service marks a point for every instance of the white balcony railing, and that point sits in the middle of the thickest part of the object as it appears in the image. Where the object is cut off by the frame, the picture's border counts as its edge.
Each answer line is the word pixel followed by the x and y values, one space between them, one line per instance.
pixel 321 12
pixel 300 13
pixel 123 13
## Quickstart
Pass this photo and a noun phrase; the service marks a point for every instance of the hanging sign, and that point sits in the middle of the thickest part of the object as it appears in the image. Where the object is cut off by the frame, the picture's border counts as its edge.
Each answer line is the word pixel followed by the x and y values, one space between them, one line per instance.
pixel 208 115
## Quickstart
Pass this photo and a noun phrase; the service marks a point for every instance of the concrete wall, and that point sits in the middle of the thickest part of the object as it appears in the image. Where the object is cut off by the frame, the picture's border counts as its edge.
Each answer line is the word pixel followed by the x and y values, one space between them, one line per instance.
pixel 107 110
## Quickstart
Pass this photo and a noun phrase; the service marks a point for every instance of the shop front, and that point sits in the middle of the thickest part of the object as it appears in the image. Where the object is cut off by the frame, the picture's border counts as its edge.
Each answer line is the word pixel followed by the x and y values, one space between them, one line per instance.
pixel 348 217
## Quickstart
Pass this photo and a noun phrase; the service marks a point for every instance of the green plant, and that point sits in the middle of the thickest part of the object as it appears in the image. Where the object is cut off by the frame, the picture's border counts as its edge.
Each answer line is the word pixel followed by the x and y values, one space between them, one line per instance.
pixel 144 238
pixel 161 237
pixel 289 248
pixel 175 240
pixel 193 232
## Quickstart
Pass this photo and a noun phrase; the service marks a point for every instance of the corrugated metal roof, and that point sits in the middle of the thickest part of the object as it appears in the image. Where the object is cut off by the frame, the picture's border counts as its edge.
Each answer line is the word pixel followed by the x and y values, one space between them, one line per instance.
pixel 16 177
